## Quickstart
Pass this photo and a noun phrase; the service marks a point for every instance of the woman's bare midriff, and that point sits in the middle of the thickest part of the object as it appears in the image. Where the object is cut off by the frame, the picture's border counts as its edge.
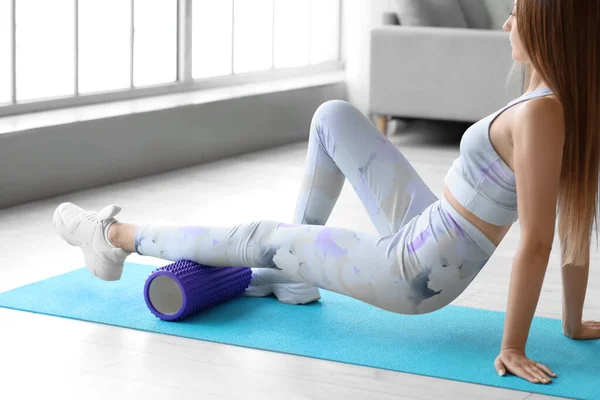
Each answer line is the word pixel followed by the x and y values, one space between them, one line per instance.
pixel 494 232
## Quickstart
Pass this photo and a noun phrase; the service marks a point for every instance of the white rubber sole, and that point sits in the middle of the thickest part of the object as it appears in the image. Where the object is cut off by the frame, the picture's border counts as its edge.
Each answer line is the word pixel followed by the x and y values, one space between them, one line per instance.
pixel 288 293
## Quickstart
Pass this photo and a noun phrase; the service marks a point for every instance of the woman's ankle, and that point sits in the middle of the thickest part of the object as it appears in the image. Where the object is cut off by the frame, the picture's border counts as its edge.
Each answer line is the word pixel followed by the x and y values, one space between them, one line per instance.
pixel 122 236
pixel 113 234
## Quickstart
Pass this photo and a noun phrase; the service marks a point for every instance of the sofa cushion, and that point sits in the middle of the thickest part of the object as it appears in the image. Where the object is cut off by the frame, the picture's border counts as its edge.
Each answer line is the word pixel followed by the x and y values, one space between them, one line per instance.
pixel 476 14
pixel 499 11
pixel 443 13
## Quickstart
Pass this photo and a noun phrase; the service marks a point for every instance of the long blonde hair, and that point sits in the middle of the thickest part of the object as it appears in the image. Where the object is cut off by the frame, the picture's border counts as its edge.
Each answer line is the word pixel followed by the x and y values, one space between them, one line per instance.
pixel 561 39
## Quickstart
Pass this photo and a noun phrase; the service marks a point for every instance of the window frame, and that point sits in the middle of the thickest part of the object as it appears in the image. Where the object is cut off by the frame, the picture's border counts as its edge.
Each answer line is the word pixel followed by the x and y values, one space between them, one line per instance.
pixel 185 81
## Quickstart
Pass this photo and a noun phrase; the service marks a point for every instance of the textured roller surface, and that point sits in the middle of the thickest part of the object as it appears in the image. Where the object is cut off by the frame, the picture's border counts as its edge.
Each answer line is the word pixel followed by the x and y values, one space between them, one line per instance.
pixel 201 287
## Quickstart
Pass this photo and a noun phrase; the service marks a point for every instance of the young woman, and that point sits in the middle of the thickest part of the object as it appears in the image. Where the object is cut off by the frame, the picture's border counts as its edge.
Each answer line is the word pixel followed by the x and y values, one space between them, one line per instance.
pixel 537 152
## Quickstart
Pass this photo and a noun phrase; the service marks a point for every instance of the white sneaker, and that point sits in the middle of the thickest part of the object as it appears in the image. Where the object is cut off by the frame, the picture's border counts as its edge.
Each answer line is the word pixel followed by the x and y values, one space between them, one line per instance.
pixel 267 281
pixel 87 230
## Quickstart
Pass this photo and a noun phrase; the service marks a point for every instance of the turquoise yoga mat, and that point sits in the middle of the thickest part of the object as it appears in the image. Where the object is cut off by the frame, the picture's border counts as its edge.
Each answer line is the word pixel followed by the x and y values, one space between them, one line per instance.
pixel 455 343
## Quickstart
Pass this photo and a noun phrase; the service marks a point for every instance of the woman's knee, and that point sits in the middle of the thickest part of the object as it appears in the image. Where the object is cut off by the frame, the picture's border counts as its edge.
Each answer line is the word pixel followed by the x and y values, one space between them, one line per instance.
pixel 331 110
pixel 328 117
pixel 256 240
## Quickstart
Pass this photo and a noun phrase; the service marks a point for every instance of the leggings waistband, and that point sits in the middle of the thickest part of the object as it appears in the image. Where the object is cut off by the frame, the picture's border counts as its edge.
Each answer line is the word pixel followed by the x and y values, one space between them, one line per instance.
pixel 474 232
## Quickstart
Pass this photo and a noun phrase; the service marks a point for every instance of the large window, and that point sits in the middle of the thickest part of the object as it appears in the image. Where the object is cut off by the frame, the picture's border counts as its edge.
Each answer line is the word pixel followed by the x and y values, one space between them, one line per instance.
pixel 104 45
pixel 44 49
pixel 68 52
pixel 212 38
pixel 155 42
pixel 292 33
pixel 252 35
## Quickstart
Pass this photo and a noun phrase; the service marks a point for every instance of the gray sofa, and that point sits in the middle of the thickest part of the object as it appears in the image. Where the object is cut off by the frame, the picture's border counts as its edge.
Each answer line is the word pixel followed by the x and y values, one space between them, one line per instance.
pixel 442 59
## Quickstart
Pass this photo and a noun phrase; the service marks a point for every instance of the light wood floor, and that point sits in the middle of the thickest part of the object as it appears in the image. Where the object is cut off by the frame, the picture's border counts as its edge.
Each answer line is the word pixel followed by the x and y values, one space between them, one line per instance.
pixel 43 355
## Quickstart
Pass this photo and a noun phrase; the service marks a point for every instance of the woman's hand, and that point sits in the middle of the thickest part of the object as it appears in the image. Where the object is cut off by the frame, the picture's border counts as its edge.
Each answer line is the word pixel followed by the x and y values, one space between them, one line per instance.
pixel 587 330
pixel 515 362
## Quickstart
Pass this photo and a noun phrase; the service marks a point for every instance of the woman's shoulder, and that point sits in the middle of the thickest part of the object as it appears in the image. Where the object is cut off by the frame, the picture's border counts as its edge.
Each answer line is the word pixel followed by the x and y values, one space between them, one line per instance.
pixel 542 117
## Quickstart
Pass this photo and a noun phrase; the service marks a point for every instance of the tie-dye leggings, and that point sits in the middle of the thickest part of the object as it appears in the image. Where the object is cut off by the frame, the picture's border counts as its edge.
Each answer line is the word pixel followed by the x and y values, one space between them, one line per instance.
pixel 425 255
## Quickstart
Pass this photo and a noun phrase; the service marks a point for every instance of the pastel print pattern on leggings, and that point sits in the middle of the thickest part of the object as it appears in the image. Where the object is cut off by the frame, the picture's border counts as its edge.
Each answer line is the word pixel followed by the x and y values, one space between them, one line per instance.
pixel 422 258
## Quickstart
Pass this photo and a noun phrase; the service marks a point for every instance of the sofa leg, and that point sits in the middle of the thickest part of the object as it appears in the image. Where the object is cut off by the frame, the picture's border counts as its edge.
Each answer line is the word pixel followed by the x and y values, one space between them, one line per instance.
pixel 382 123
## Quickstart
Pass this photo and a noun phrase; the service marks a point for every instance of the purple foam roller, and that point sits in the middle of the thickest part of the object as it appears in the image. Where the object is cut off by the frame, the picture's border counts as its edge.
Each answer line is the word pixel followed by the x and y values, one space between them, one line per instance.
pixel 178 290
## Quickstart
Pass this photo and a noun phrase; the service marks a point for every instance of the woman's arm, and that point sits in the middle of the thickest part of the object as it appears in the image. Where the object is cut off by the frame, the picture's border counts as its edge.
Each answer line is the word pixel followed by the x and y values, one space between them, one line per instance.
pixel 538 138
pixel 575 280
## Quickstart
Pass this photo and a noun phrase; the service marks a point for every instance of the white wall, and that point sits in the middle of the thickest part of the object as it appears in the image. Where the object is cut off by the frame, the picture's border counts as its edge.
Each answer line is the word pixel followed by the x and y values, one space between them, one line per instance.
pixel 49 161
pixel 358 18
